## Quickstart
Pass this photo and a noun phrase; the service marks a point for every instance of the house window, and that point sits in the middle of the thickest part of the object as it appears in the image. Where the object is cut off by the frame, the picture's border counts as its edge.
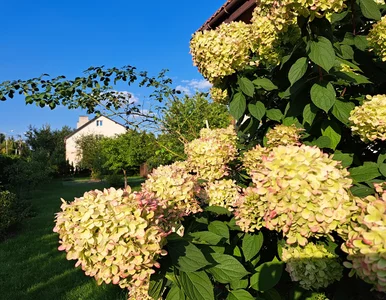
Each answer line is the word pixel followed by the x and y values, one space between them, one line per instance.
pixel 99 123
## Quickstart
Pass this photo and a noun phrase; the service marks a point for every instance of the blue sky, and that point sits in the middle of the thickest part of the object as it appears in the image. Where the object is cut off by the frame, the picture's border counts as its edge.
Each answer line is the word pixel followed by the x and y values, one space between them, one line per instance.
pixel 67 37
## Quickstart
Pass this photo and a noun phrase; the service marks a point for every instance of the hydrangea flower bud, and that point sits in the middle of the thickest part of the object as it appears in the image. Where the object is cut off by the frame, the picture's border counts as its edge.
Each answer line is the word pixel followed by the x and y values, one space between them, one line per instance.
pixel 313 266
pixel 219 96
pixel 366 240
pixel 113 237
pixel 298 190
pixel 282 135
pixel 209 155
pixel 369 120
pixel 377 37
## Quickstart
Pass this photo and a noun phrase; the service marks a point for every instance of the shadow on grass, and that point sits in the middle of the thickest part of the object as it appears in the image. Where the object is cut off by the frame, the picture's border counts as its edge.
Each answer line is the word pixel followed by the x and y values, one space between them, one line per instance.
pixel 32 268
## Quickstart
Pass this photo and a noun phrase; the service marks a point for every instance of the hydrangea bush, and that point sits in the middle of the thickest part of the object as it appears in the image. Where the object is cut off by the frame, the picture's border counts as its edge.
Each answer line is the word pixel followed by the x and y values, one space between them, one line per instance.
pixel 294 187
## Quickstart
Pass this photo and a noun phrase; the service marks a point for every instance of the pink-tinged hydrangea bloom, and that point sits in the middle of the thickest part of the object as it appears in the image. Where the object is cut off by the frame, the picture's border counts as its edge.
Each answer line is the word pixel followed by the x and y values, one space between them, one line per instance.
pixel 209 155
pixel 175 189
pixel 298 190
pixel 282 135
pixel 313 266
pixel 113 237
pixel 377 38
pixel 224 193
pixel 369 120
pixel 366 240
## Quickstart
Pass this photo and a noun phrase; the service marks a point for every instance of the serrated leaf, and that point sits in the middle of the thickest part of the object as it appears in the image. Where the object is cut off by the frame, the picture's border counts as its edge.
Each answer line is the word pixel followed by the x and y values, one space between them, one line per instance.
pixel 186 256
pixel 353 77
pixel 322 142
pixel 322 53
pixel 246 86
pixel 333 131
pixel 240 295
pixel 257 110
pixel 368 171
pixel 370 9
pixel 197 285
pixel 157 284
pixel 207 237
pixel 238 105
pixel 347 51
pixel 274 114
pixel 309 113
pixel 267 275
pixel 341 110
pixel 360 41
pixel 219 228
pixel 298 69
pixel 381 158
pixel 345 158
pixel 251 245
pixel 228 268
pixel 239 284
pixel 265 84
pixel 175 293
pixel 323 96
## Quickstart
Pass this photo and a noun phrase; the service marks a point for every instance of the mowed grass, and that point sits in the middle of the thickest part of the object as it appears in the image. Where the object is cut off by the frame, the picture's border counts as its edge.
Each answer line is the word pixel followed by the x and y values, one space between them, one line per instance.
pixel 32 268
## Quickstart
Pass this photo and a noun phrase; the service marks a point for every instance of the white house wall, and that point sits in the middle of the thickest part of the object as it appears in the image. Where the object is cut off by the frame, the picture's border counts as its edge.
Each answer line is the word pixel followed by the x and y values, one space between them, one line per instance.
pixel 107 129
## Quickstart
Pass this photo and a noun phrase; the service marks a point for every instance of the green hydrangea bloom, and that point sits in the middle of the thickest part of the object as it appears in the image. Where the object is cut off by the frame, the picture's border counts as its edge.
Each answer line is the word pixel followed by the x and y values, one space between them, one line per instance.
pixel 369 120
pixel 224 193
pixel 298 190
pixel 313 266
pixel 219 96
pixel 377 37
pixel 282 135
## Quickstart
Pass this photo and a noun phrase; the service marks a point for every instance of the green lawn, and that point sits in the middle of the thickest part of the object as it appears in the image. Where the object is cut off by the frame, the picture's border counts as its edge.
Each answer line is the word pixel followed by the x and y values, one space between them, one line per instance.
pixel 31 267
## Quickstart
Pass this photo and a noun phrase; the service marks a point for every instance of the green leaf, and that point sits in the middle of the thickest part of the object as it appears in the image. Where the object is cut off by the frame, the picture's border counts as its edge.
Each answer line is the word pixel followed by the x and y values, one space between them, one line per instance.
pixel 272 294
pixel 267 275
pixel 341 110
pixel 345 158
pixel 322 53
pixel 360 41
pixel 382 169
pixel 338 17
pixel 257 110
pixel 239 284
pixel 186 256
pixel 218 210
pixel 361 190
pixel 228 268
pixel 322 142
pixel 333 131
pixel 265 83
pixel 368 171
pixel 381 158
pixel 240 295
pixel 370 9
pixel 157 284
pixel 274 114
pixel 347 51
pixel 246 86
pixel 197 285
pixel 298 69
pixel 353 77
pixel 207 237
pixel 309 113
pixel 175 293
pixel 238 105
pixel 219 228
pixel 251 245
pixel 323 96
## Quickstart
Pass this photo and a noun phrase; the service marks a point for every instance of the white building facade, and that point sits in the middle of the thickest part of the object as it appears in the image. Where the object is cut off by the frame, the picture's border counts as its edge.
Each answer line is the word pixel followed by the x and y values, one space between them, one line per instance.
pixel 97 126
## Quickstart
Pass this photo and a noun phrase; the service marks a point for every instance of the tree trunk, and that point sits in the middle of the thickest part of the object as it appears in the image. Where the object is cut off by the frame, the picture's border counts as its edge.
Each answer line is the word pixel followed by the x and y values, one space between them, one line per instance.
pixel 124 174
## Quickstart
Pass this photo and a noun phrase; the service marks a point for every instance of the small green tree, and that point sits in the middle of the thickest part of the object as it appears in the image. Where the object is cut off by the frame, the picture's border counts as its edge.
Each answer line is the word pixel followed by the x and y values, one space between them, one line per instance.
pixel 128 151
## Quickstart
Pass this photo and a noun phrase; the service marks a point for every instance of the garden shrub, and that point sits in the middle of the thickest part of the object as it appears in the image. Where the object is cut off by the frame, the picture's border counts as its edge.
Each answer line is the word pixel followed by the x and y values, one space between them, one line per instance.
pixel 296 189
pixel 114 180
